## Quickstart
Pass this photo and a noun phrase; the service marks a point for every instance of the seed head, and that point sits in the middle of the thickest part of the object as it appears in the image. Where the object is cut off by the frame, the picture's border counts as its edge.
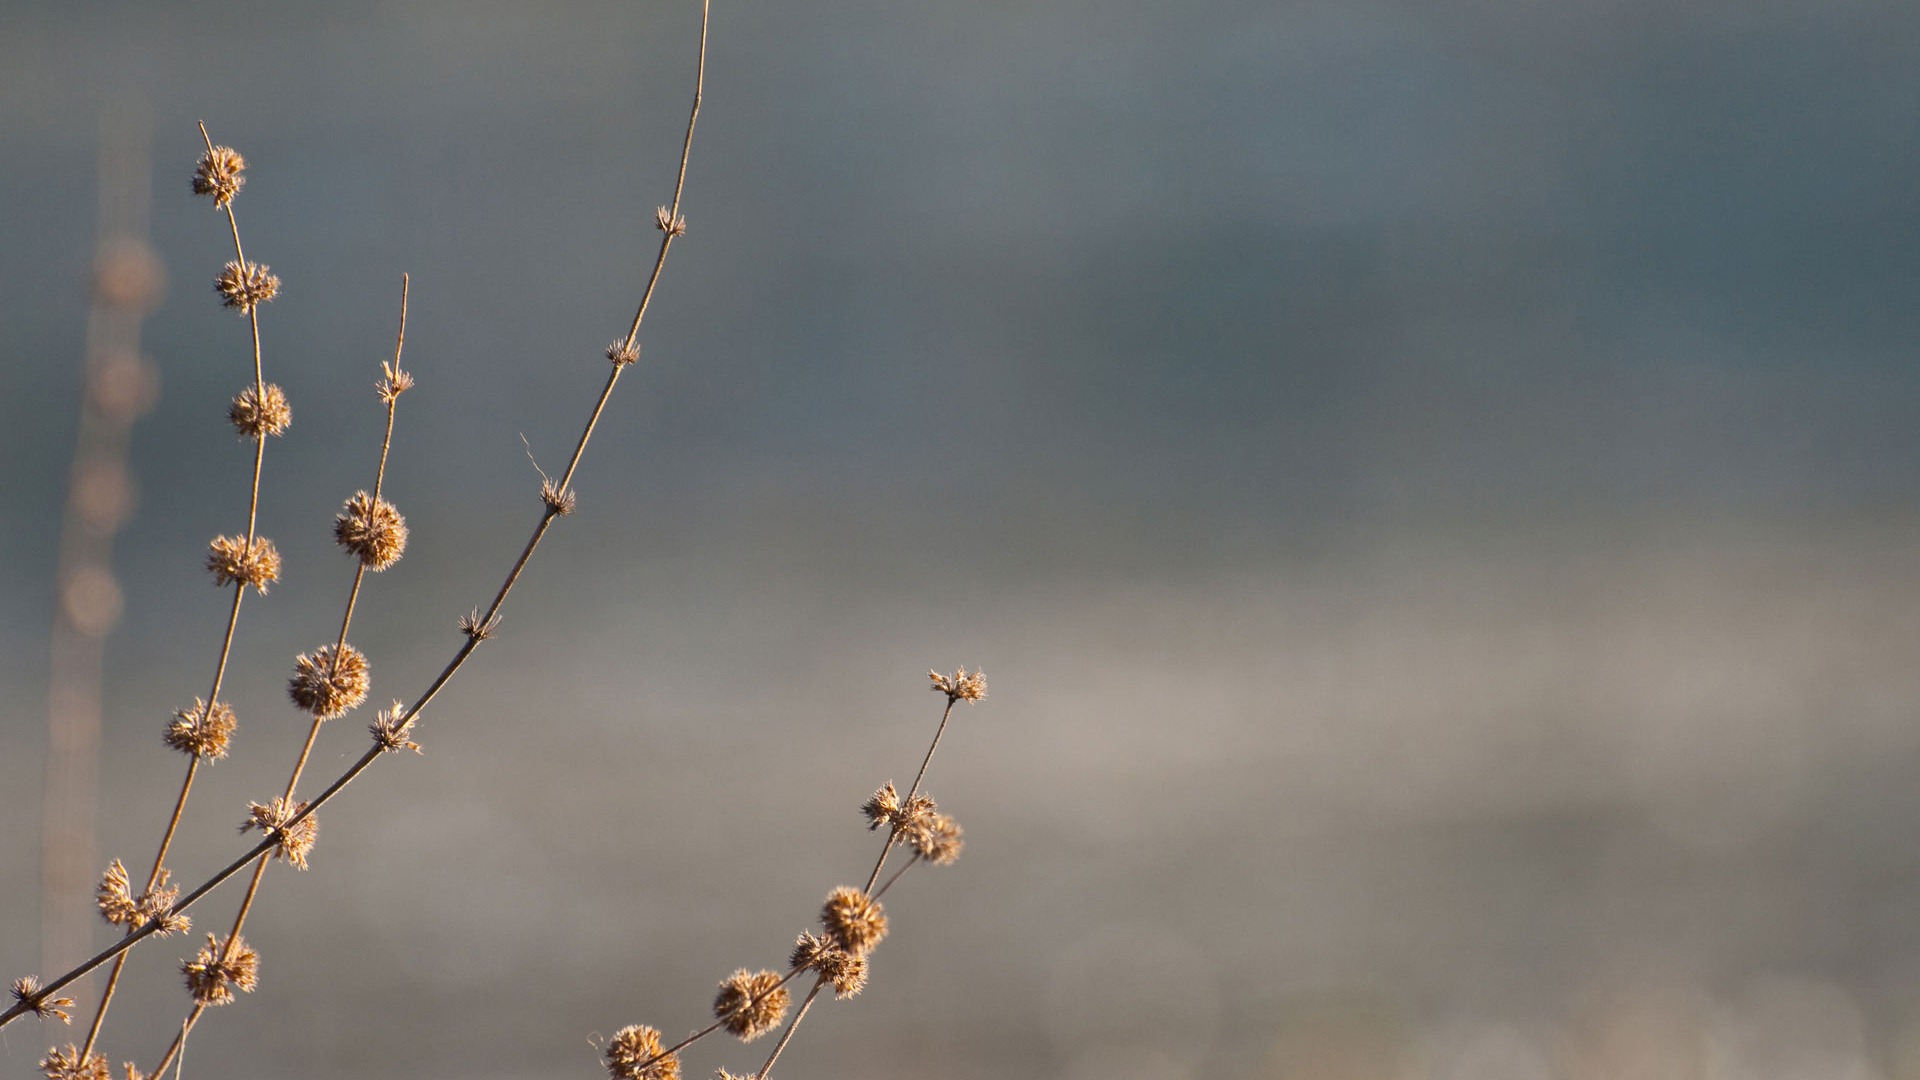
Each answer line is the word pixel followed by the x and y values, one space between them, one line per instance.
pixel 296 840
pixel 120 907
pixel 395 383
pixel 634 1054
pixel 938 841
pixel 961 685
pixel 212 976
pixel 722 1074
pixel 390 732
pixel 68 1064
pixel 620 354
pixel 246 285
pixel 326 685
pixel 232 559
pixel 751 1004
pixel 219 174
pixel 558 501
pixel 881 807
pixel 472 625
pixel 854 921
pixel 201 731
pixel 26 991
pixel 669 222
pixel 371 530
pixel 252 420
pixel 846 971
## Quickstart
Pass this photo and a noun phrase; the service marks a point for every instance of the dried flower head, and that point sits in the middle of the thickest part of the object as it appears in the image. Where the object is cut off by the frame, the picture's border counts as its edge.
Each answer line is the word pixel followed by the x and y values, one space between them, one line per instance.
pixel 120 907
pixel 330 681
pixel 558 501
pixel 295 840
pixel 395 383
pixel 26 991
pixel 846 971
pixel 620 354
pixel 254 420
pixel 219 174
pixel 635 1054
pixel 246 286
pixel 938 841
pixel 750 1004
pixel 68 1064
pixel 880 809
pixel 390 731
pixel 232 559
pixel 472 625
pixel 201 731
pixel 371 530
pixel 213 974
pixel 722 1074
pixel 854 921
pixel 669 222
pixel 961 685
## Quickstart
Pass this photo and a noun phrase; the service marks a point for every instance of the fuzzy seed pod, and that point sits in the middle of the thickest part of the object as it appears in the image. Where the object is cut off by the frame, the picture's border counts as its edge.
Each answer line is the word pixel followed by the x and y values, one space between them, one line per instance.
pixel 397 382
pixel 69 1065
pixel 212 976
pixel 324 686
pixel 620 354
pixel 960 686
pixel 26 991
pixel 938 840
pixel 634 1054
pixel 559 502
pixel 246 286
pixel 854 921
pixel 201 731
pixel 669 222
pixel 751 1004
pixel 847 972
pixel 253 420
pixel 295 841
pixel 119 907
pixel 219 174
pixel 390 732
pixel 232 559
pixel 371 530
pixel 879 809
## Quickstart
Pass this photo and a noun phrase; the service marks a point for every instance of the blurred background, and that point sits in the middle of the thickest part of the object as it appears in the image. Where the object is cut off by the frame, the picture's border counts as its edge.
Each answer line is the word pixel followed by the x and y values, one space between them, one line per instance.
pixel 1432 487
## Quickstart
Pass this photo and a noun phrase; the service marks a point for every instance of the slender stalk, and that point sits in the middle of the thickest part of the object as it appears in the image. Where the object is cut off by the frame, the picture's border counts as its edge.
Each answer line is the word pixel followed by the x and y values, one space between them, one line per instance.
pixel 894 834
pixel 787 1035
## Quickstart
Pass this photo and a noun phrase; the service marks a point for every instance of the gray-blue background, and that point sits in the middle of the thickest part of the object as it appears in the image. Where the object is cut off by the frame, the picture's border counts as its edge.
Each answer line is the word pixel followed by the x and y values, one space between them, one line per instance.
pixel 1432 486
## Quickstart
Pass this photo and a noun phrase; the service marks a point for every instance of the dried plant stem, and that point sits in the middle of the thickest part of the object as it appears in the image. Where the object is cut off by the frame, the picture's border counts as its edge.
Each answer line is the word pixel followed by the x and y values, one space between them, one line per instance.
pixel 472 641
pixel 894 834
pixel 787 1035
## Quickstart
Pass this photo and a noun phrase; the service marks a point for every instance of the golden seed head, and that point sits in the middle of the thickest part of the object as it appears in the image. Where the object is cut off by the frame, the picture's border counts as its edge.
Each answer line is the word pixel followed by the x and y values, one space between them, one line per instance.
pixel 213 974
pixel 669 222
pixel 295 840
pixel 390 732
pixel 201 731
pixel 854 921
pixel 325 684
pixel 961 685
pixel 246 286
pixel 219 174
pixel 371 530
pixel 472 625
pixel 252 420
pixel 880 809
pixel 68 1064
pixel 120 907
pixel 114 898
pixel 620 354
pixel 751 1003
pixel 938 841
pixel 846 971
pixel 634 1054
pixel 560 502
pixel 26 991
pixel 397 382
pixel 232 559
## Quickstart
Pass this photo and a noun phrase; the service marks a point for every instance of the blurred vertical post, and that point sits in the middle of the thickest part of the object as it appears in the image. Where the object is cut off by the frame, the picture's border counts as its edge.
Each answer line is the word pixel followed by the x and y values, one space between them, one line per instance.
pixel 118 385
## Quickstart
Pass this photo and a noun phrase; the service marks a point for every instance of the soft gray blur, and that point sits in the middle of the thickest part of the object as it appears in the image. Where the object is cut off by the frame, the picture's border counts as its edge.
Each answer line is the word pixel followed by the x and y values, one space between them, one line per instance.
pixel 1432 487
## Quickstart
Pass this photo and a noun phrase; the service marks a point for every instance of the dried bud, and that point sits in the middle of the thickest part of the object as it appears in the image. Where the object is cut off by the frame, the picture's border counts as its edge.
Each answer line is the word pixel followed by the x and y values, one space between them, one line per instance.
pixel 251 419
pixel 472 625
pixel 219 174
pixel 119 907
pixel 371 530
pixel 620 354
pixel 214 974
pixel 295 840
pixel 635 1054
pixel 846 971
pixel 326 685
pixel 938 841
pixel 232 559
pixel 68 1064
pixel 750 1004
pixel 669 222
pixel 26 991
pixel 390 732
pixel 246 286
pixel 881 807
pixel 854 921
pixel 960 686
pixel 397 382
pixel 201 731
pixel 560 502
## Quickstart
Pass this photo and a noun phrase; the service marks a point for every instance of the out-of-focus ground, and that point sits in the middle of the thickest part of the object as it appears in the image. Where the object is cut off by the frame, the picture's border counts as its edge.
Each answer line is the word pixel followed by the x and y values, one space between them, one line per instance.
pixel 1433 489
